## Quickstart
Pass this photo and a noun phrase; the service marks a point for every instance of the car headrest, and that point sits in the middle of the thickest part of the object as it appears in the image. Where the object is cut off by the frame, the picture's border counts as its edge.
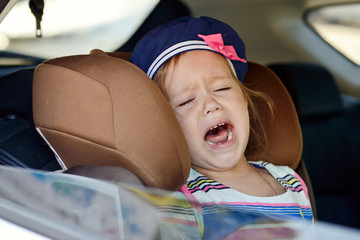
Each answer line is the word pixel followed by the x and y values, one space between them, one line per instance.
pixel 101 110
pixel 283 131
pixel 312 88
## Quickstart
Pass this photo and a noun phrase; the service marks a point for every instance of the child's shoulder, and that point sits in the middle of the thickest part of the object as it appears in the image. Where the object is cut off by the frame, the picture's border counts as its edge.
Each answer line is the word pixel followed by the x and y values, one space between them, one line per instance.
pixel 275 170
pixel 285 175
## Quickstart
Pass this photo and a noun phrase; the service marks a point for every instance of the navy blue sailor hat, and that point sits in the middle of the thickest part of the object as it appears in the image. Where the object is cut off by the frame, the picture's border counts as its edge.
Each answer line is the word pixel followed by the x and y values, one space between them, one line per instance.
pixel 186 34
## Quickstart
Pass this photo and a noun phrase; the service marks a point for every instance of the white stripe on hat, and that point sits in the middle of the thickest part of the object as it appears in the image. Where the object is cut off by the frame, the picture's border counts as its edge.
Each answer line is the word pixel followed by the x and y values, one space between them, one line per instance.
pixel 179 48
pixel 172 51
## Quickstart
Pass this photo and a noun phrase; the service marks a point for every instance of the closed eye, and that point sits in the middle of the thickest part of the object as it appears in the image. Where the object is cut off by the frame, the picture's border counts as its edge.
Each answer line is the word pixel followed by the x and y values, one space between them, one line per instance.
pixel 222 89
pixel 186 102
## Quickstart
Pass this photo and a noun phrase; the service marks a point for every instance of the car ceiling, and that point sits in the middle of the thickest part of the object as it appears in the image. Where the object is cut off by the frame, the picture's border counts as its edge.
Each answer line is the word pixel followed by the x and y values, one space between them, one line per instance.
pixel 275 31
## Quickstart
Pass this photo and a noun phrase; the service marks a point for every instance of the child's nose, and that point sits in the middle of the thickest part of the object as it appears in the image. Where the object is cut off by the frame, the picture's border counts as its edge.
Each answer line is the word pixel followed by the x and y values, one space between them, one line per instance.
pixel 211 105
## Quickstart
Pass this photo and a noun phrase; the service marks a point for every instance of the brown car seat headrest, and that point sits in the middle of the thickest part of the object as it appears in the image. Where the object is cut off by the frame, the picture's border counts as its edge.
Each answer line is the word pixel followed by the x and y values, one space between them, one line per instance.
pixel 102 110
pixel 283 130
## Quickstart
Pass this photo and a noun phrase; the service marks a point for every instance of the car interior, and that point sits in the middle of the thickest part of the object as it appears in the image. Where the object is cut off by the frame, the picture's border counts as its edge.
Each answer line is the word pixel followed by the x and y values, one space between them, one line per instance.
pixel 68 85
pixel 324 121
pixel 99 116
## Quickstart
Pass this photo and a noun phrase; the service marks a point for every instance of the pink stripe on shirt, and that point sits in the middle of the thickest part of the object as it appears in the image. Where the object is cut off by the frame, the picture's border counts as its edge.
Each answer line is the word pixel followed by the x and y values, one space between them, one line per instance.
pixel 256 204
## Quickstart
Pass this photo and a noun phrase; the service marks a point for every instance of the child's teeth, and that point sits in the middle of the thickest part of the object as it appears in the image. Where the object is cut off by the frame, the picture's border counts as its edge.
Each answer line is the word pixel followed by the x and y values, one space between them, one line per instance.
pixel 221 124
pixel 229 135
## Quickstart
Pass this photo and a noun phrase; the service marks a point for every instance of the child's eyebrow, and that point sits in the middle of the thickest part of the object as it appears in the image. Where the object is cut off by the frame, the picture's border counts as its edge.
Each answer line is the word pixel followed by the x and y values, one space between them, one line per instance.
pixel 186 87
pixel 220 78
pixel 221 72
pixel 180 91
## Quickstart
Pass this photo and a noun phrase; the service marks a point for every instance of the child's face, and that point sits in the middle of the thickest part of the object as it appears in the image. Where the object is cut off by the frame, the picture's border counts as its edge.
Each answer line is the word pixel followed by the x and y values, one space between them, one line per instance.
pixel 211 109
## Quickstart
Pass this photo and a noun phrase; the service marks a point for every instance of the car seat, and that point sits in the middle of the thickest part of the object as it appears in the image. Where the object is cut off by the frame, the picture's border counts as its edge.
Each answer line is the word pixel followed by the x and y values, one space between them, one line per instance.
pixel 100 109
pixel 97 110
pixel 331 135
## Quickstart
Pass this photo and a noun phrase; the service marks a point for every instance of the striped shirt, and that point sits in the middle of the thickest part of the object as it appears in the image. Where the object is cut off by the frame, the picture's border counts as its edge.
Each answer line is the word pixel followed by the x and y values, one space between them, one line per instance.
pixel 217 200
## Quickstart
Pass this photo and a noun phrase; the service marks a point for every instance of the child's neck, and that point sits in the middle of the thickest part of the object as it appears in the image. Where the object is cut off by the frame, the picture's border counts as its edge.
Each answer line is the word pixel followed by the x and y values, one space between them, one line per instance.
pixel 246 179
pixel 242 168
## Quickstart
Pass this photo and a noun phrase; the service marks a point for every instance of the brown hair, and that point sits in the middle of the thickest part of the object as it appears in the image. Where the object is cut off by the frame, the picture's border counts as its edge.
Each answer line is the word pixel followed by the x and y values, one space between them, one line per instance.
pixel 257 143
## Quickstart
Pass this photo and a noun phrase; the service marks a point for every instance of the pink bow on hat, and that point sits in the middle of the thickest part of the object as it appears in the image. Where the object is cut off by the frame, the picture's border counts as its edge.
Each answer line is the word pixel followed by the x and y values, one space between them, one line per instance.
pixel 215 41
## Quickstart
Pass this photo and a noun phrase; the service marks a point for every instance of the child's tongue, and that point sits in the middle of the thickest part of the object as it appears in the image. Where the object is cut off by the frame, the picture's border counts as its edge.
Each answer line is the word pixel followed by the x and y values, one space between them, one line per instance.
pixel 217 135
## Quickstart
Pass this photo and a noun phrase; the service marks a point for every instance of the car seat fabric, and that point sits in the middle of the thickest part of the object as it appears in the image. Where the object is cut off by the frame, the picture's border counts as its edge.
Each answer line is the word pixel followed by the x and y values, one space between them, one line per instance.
pixel 331 140
pixel 100 110
pixel 109 173
pixel 283 128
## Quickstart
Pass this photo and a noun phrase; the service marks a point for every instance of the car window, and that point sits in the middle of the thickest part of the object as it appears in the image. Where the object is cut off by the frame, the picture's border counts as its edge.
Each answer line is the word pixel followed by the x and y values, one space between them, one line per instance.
pixel 66 30
pixel 339 25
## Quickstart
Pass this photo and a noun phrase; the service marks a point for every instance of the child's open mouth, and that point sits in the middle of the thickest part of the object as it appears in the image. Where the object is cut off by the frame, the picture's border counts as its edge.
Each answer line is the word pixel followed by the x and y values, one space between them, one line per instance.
pixel 219 134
